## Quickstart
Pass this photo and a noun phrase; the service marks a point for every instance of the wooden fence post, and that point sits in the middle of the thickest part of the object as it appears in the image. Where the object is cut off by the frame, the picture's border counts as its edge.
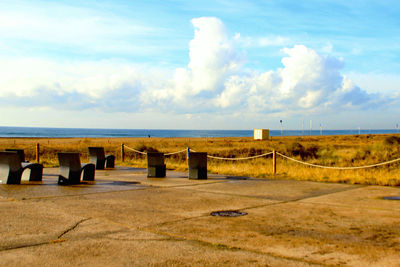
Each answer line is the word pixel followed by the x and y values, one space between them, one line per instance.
pixel 37 153
pixel 274 162
pixel 122 153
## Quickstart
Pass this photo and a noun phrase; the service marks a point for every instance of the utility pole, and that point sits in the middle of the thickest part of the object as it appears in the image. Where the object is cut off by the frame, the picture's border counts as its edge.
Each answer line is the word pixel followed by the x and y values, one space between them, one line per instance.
pixel 281 129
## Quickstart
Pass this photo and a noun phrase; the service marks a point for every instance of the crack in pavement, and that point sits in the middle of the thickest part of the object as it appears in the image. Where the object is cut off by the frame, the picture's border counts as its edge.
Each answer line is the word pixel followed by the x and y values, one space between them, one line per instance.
pixel 72 228
pixel 46 242
pixel 25 246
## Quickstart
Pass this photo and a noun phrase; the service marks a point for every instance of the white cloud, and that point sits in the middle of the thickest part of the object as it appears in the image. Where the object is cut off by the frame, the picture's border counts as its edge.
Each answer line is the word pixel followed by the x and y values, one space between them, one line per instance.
pixel 214 82
pixel 212 55
pixel 213 59
pixel 307 81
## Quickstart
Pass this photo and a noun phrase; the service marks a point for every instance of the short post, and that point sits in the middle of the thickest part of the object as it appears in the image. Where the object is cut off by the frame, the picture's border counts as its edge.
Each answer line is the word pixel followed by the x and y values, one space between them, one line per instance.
pixel 37 153
pixel 122 152
pixel 274 162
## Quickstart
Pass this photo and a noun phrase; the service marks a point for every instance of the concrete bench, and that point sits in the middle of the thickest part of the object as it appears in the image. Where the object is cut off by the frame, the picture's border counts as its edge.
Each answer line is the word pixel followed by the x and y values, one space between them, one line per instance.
pixel 11 168
pixel 197 162
pixel 20 153
pixel 155 165
pixel 99 158
pixel 71 169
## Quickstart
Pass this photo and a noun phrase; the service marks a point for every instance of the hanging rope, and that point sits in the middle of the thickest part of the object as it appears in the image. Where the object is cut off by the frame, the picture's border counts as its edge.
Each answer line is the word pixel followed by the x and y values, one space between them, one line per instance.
pixel 134 150
pixel 177 152
pixel 282 155
pixel 338 168
pixel 246 158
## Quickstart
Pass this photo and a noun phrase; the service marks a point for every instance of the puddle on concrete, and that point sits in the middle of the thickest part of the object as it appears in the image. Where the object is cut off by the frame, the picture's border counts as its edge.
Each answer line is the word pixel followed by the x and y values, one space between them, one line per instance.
pixel 392 198
pixel 123 183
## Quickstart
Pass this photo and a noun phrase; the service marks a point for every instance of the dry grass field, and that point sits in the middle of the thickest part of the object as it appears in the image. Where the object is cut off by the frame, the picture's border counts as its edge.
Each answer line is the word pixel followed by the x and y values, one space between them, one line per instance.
pixel 335 151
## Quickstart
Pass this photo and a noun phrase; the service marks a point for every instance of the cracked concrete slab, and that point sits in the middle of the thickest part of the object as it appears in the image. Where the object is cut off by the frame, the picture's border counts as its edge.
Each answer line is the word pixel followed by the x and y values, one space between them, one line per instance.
pixel 123 218
pixel 322 233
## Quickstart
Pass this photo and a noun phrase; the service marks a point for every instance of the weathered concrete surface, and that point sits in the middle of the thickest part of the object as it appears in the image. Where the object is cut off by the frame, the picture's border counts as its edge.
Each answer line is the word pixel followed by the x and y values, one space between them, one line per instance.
pixel 124 218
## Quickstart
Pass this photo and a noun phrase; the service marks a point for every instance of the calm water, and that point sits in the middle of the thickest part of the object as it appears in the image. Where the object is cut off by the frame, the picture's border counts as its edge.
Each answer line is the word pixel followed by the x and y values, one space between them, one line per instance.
pixel 81 132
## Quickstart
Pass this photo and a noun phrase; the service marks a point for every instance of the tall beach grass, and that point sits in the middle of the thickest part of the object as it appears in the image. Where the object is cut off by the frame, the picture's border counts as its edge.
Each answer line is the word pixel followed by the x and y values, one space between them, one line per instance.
pixel 338 151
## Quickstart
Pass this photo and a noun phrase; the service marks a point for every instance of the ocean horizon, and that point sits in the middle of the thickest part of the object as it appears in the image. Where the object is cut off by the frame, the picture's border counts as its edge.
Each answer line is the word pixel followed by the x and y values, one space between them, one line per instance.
pixel 43 132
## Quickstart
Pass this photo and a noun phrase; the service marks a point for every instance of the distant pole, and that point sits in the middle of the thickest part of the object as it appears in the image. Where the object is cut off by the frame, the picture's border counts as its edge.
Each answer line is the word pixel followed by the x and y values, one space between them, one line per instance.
pixel 359 130
pixel 281 129
pixel 302 127
pixel 310 127
pixel 274 161
pixel 122 152
pixel 320 129
pixel 397 127
pixel 37 153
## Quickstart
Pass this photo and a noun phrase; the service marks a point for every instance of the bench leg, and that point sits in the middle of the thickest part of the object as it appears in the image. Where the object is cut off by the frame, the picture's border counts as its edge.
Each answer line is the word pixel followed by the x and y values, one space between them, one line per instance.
pixel 110 161
pixel 14 177
pixel 156 171
pixel 88 172
pixel 36 173
pixel 100 164
pixel 62 180
pixel 199 173
pixel 73 178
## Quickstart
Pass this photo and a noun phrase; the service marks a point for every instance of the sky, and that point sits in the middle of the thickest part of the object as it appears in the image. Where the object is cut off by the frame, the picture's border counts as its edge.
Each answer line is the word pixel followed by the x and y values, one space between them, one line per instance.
pixel 178 64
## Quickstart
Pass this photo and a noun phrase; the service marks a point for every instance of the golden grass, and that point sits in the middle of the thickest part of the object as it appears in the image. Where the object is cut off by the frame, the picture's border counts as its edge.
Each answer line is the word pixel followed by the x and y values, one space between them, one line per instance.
pixel 324 150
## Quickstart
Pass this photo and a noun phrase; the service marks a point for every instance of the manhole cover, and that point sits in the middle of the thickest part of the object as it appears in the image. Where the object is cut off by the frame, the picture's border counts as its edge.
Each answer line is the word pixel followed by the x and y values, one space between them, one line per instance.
pixel 392 198
pixel 228 213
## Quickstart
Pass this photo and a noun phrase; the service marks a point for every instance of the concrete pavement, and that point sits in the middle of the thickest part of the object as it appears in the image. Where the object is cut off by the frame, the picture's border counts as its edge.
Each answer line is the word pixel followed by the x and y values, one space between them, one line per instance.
pixel 124 218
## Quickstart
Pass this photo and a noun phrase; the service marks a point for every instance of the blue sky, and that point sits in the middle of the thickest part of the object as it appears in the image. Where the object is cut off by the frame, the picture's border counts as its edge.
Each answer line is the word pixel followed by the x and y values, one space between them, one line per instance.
pixel 199 64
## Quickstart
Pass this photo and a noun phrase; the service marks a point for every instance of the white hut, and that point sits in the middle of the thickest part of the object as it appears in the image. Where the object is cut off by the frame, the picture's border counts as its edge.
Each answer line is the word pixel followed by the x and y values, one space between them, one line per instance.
pixel 261 134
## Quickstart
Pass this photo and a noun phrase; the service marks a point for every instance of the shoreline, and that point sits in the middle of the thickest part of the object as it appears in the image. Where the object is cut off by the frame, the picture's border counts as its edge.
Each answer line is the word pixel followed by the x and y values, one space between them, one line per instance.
pixel 28 132
pixel 211 137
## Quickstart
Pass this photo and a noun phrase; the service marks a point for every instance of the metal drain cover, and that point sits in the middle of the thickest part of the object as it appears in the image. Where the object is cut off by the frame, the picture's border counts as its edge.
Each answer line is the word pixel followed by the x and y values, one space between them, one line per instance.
pixel 392 198
pixel 228 213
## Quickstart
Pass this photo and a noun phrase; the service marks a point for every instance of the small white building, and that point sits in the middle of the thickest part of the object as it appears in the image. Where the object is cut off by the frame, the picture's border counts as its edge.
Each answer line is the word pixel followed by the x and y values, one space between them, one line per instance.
pixel 261 134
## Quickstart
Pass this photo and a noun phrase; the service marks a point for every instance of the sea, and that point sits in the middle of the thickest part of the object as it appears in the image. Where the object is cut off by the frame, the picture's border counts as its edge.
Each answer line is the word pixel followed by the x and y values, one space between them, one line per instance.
pixel 83 132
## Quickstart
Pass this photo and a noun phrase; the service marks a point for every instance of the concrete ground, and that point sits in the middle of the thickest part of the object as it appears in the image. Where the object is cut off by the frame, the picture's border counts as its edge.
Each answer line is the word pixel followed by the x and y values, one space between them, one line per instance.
pixel 124 218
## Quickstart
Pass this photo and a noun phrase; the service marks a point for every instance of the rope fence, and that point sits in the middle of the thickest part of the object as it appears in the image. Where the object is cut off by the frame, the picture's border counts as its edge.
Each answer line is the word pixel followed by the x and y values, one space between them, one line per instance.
pixel 274 154
pixel 134 150
pixel 173 153
pixel 338 168
pixel 246 158
pixel 233 159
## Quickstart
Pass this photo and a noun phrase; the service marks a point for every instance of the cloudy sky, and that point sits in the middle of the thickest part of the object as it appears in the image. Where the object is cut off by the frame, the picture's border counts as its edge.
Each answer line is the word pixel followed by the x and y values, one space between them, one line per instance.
pixel 182 64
